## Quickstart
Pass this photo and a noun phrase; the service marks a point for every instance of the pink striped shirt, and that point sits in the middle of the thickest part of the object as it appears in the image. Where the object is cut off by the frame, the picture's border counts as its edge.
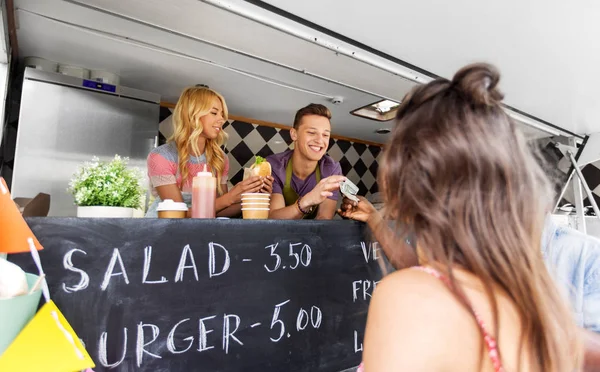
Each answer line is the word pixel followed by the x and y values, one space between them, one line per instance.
pixel 162 168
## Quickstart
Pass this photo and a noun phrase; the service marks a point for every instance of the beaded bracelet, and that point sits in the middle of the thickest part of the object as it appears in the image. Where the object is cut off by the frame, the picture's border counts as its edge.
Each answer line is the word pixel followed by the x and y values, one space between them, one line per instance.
pixel 300 208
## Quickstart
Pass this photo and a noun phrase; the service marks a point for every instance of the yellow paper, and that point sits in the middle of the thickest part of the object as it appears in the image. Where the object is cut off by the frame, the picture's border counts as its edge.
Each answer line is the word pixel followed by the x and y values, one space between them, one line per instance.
pixel 47 343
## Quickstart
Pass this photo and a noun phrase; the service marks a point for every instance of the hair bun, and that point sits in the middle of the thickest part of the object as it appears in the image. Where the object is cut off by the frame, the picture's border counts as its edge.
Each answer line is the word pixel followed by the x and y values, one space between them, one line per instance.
pixel 479 82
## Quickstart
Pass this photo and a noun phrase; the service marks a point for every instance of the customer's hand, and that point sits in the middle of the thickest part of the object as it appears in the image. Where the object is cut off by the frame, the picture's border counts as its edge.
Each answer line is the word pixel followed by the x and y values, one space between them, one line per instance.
pixel 268 185
pixel 362 210
pixel 322 191
pixel 250 184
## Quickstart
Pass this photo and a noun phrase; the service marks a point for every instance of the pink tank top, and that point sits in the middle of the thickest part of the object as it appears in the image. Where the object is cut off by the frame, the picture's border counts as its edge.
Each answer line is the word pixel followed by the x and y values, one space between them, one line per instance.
pixel 490 341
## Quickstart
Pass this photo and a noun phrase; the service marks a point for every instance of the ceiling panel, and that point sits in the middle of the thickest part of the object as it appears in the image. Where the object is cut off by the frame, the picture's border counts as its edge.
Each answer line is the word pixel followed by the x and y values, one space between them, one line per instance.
pixel 154 70
pixel 547 51
pixel 159 46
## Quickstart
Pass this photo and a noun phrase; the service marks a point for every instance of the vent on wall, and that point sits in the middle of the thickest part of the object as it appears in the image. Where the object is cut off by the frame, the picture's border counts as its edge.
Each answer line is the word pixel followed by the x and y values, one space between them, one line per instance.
pixel 383 110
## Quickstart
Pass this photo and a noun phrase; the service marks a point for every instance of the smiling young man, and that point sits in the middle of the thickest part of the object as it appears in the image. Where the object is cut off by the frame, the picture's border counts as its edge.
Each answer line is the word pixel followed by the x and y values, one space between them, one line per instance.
pixel 306 181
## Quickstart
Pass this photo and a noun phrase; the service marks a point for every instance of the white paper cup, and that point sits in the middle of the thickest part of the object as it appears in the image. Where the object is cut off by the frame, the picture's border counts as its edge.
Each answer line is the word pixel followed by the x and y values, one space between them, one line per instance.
pixel 252 201
pixel 255 195
pixel 253 205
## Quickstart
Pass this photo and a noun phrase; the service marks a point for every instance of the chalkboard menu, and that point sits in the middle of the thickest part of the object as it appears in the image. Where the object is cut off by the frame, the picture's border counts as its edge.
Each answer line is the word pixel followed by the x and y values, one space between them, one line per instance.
pixel 211 295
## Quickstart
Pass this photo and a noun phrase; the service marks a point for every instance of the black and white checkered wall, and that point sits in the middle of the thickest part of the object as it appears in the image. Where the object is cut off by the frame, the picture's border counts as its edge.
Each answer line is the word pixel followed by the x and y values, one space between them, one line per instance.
pixel 358 161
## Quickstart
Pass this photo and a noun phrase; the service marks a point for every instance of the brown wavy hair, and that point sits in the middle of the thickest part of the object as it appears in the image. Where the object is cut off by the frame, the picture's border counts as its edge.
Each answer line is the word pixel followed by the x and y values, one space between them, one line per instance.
pixel 312 109
pixel 194 103
pixel 460 173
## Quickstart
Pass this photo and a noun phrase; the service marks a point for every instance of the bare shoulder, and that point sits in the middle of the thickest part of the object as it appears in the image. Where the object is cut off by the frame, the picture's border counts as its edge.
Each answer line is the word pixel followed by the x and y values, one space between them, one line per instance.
pixel 415 293
pixel 411 309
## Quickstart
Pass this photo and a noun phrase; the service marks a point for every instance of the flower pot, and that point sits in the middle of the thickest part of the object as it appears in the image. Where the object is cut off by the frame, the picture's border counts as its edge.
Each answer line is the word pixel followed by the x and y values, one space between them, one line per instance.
pixel 104 212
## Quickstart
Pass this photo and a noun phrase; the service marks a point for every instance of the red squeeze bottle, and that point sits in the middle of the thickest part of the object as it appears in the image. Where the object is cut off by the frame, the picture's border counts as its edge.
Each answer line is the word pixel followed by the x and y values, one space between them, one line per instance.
pixel 204 195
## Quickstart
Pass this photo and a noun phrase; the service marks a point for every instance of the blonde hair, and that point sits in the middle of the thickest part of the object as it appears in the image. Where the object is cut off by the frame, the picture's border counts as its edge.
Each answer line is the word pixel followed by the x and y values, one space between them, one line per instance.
pixel 194 103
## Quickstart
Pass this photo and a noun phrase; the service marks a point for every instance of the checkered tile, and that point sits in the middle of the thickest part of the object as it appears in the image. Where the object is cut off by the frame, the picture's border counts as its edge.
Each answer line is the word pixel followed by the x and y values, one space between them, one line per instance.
pixel 358 161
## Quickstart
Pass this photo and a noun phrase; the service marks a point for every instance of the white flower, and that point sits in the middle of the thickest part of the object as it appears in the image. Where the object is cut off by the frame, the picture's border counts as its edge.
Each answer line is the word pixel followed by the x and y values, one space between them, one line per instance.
pixel 107 183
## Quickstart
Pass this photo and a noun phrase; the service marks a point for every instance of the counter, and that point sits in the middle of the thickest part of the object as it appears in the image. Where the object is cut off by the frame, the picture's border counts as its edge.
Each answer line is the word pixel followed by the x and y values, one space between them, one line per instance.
pixel 211 295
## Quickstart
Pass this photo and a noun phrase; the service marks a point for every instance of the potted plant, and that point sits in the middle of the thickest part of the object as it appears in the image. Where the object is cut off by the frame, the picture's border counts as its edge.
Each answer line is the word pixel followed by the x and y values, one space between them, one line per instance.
pixel 107 189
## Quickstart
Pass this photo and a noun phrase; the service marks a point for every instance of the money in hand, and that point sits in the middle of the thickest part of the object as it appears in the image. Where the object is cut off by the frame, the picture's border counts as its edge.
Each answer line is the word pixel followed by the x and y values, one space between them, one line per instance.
pixel 349 190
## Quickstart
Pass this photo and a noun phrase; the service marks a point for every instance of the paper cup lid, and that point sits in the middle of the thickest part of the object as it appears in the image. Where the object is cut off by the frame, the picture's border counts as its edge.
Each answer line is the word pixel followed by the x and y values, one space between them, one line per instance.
pixel 170 205
pixel 257 194
pixel 255 209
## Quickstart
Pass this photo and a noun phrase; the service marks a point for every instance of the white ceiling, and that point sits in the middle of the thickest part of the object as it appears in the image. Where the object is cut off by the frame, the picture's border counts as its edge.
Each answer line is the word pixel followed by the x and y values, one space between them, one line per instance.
pixel 547 50
pixel 162 51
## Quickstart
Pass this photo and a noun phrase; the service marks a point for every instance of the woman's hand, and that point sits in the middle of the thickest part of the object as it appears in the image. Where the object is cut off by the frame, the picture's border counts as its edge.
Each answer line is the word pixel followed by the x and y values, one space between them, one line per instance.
pixel 249 185
pixel 362 210
pixel 321 191
pixel 268 185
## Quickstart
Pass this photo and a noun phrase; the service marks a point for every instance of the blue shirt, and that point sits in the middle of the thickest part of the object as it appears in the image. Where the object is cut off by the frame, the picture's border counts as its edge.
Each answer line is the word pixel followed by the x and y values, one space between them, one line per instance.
pixel 573 260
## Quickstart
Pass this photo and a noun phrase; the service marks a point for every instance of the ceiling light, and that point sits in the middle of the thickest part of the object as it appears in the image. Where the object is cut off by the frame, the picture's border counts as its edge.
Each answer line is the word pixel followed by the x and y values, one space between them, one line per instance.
pixel 383 110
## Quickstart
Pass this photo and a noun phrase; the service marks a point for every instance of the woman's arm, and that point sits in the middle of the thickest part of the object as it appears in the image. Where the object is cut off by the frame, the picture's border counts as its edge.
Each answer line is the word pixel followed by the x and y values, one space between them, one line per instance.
pixel 170 192
pixel 398 252
pixel 224 206
pixel 229 204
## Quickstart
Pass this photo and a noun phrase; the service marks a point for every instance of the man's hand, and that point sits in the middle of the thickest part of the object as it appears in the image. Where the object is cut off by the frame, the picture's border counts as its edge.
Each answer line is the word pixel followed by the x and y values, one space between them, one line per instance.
pixel 321 191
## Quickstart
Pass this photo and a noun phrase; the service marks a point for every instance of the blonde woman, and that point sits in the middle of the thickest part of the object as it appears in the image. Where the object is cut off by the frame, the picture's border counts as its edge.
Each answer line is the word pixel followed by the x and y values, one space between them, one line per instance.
pixel 198 121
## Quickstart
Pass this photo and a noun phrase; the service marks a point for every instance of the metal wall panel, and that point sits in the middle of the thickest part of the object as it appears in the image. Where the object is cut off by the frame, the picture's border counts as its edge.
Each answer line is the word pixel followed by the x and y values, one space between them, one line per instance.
pixel 60 127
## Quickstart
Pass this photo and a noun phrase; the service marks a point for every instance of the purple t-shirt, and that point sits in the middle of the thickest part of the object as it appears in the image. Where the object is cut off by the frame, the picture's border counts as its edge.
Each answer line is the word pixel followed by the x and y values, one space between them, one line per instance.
pixel 328 167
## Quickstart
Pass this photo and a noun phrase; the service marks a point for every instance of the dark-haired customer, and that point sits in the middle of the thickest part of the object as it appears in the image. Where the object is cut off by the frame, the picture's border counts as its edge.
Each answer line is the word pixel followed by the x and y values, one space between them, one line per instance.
pixel 306 181
pixel 458 173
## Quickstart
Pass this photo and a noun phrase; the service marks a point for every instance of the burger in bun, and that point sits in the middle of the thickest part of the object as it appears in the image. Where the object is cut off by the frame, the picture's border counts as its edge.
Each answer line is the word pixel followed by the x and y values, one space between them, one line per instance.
pixel 261 167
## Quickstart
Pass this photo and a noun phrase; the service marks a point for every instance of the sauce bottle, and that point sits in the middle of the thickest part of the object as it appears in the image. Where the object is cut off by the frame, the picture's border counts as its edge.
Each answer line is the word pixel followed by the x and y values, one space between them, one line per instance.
pixel 204 195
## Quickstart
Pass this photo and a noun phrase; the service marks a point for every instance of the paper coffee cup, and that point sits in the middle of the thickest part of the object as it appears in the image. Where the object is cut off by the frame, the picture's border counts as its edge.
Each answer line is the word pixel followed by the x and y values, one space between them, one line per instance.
pixel 255 213
pixel 171 209
pixel 255 195
pixel 255 204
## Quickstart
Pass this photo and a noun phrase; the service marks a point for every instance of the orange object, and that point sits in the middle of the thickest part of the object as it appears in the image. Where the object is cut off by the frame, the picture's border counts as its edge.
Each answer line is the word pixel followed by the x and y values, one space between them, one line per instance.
pixel 14 231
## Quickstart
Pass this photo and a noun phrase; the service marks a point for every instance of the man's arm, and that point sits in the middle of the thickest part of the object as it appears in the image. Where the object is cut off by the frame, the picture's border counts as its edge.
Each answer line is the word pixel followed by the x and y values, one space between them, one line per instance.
pixel 278 210
pixel 319 194
pixel 326 210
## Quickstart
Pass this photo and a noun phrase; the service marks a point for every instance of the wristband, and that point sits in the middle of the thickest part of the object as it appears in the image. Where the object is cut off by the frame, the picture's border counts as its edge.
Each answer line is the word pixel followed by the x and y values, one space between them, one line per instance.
pixel 300 208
